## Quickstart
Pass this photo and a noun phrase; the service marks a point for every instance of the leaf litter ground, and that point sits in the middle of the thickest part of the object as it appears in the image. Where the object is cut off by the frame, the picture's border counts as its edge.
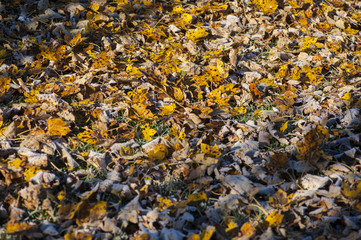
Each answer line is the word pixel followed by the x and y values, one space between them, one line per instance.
pixel 180 119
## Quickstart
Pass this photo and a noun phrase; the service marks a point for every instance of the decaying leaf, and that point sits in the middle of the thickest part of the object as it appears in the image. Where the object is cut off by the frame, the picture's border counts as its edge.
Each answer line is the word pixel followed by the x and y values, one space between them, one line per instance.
pixel 180 119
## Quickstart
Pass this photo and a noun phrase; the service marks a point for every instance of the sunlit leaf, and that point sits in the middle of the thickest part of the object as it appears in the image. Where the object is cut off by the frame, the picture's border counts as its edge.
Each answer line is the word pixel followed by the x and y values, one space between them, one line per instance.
pixel 82 103
pixel 208 233
pixel 282 72
pixel 31 97
pixel 164 203
pixel 254 90
pixel 103 60
pixel 54 54
pixel 247 229
pixel 98 211
pixel 154 33
pixel 197 197
pixel 197 34
pixel 266 6
pixel 347 96
pixel 56 126
pixel 174 132
pixel 231 225
pixel 61 195
pixel 159 152
pixel 4 87
pixel 168 109
pixel 17 163
pixel 284 127
pixel 148 132
pixel 178 94
pixel 309 42
pixel 239 110
pixel 351 192
pixel 194 237
pixel 187 18
pixel 16 227
pixel 88 136
pixel 274 219
pixel 134 71
pixel 77 39
pixel 30 172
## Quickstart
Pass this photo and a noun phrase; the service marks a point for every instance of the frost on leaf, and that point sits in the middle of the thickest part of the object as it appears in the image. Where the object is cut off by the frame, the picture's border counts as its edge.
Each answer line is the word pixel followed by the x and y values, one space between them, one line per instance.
pixel 180 119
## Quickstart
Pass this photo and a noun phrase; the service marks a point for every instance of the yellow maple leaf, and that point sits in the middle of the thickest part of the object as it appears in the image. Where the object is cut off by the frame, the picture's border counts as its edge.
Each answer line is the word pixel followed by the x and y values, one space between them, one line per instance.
pixel 164 203
pixel 266 6
pixel 212 151
pixel 133 71
pixel 350 68
pixel 178 94
pixel 61 195
pixel 31 97
pixel 230 225
pixel 16 227
pixel 126 150
pixel 98 211
pixel 221 68
pixel 334 46
pixel 351 192
pixel 194 237
pixel 296 73
pixel 30 172
pixel 94 7
pixel 208 233
pixel 75 40
pixel 54 54
pixel 239 110
pixel 197 197
pixel 350 30
pixel 205 148
pixel 91 53
pixel 284 127
pixel 267 82
pixel 174 132
pixel 178 9
pixel 122 3
pixel 187 18
pixel 4 85
pixel 219 7
pixel 104 59
pixel 168 109
pixel 147 3
pixel 88 136
pixel 309 42
pixel 347 96
pixel 148 132
pixel 159 152
pixel 282 71
pixel 154 33
pixel 17 163
pixel 196 34
pixel 274 219
pixel 247 229
pixel 82 103
pixel 56 126
pixel 142 111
